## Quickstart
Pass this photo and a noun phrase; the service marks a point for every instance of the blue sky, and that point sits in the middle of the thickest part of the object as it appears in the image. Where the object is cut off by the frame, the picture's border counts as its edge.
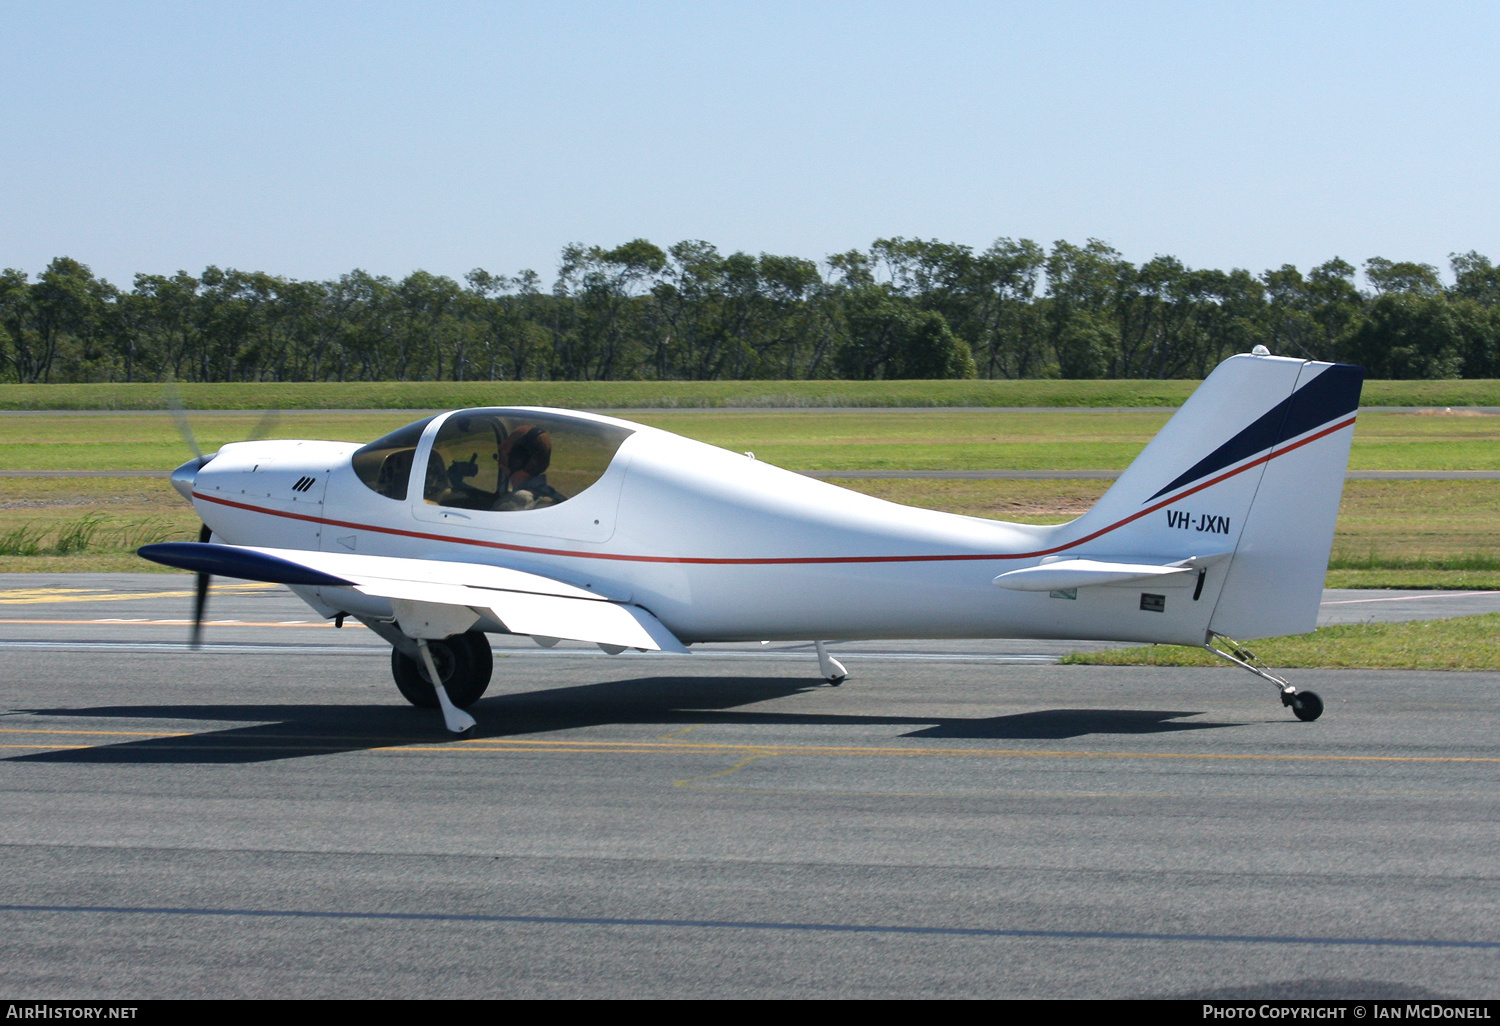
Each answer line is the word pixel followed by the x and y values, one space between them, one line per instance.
pixel 310 139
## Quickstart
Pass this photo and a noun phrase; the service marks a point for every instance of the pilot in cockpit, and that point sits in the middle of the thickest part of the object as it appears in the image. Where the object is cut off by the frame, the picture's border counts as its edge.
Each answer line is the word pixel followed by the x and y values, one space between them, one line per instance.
pixel 525 455
pixel 492 459
pixel 479 463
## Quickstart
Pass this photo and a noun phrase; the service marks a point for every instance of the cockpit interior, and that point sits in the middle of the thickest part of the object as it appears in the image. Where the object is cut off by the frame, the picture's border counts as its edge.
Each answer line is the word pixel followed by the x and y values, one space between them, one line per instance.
pixel 493 459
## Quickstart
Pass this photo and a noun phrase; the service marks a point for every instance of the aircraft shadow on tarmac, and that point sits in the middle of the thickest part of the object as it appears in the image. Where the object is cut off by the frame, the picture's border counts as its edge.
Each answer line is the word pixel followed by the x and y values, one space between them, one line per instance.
pixel 297 731
pixel 1059 724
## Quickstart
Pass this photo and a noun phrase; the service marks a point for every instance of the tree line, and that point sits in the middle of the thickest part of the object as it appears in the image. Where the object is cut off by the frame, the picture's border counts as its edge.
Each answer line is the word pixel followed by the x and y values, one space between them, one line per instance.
pixel 905 308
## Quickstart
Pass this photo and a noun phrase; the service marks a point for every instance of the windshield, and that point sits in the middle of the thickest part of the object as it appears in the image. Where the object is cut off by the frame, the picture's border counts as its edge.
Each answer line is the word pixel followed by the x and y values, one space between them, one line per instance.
pixel 385 464
pixel 500 459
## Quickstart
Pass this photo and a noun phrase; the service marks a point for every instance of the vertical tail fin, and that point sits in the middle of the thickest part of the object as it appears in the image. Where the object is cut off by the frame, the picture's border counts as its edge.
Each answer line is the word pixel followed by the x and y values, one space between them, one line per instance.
pixel 1275 580
pixel 1251 467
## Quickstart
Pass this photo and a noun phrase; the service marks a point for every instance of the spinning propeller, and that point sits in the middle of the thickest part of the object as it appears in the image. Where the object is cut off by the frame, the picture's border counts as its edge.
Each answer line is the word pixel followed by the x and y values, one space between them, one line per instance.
pixel 200 594
pixel 205 533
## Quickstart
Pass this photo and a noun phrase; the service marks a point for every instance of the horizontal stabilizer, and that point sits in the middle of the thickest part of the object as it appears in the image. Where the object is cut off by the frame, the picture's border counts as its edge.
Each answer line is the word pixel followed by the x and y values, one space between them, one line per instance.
pixel 1087 573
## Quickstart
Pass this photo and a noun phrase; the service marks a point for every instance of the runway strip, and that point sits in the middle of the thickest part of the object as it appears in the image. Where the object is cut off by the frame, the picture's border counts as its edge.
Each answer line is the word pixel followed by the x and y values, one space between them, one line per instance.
pixel 137 613
pixel 1408 598
pixel 711 924
pixel 466 746
pixel 189 825
pixel 383 651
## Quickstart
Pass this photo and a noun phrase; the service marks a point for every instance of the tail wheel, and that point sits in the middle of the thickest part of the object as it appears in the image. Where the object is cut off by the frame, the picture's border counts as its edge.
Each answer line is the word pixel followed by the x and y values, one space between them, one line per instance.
pixel 463 663
pixel 1306 705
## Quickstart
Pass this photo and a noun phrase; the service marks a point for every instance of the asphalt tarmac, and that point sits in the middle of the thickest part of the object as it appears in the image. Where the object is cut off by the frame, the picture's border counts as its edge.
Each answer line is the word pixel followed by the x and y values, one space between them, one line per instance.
pixel 267 817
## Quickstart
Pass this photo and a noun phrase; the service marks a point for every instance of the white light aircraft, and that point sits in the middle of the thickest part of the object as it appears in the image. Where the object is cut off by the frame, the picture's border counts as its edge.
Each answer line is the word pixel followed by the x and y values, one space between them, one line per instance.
pixel 558 524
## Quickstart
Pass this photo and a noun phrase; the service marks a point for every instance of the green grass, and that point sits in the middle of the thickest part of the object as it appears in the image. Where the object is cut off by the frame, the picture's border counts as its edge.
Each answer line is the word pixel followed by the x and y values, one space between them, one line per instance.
pixel 1047 440
pixel 1450 392
pixel 1419 527
pixel 421 395
pixel 87 524
pixel 1390 533
pixel 797 440
pixel 1460 440
pixel 92 542
pixel 1026 502
pixel 1461 580
pixel 1462 643
pixel 144 442
pixel 92 533
pixel 925 440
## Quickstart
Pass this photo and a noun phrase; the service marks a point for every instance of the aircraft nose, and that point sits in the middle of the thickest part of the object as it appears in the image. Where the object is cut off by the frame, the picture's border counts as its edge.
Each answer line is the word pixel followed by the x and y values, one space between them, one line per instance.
pixel 182 477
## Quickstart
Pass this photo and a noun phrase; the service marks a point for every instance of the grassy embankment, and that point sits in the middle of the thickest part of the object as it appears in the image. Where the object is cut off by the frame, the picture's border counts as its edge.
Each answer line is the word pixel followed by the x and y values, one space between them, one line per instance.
pixel 798 440
pixel 1391 533
pixel 421 395
pixel 1462 643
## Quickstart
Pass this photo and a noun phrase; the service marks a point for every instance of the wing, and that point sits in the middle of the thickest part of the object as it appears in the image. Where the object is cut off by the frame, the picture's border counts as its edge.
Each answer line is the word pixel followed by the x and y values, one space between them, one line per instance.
pixel 435 598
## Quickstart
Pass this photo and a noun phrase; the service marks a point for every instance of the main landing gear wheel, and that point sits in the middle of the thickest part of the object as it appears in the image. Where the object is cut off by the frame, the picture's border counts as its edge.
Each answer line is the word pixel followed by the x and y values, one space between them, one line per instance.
pixel 1306 705
pixel 463 662
pixel 832 670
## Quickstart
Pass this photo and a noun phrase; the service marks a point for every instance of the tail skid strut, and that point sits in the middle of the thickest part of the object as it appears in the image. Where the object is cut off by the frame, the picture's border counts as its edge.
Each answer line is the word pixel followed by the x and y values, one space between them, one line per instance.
pixel 1305 705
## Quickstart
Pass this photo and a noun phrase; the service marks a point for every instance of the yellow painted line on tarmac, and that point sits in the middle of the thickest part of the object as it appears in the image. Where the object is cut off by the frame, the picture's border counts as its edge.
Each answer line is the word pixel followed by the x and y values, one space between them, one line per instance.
pixel 649 747
pixel 39 596
pixel 692 784
pixel 674 735
pixel 748 753
pixel 132 622
pixel 691 781
pixel 100 733
pixel 561 749
pixel 53 748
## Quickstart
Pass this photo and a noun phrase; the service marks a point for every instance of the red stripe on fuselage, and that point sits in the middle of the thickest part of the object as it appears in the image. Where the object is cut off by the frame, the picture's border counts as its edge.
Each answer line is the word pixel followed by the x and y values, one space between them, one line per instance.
pixel 780 560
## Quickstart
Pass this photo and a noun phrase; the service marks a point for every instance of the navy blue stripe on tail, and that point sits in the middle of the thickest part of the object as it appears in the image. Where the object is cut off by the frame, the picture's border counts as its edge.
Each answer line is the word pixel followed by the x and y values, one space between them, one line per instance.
pixel 1324 399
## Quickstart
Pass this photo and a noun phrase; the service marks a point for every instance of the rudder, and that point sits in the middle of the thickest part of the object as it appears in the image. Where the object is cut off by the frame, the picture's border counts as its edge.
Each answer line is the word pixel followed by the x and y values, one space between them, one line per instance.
pixel 1275 581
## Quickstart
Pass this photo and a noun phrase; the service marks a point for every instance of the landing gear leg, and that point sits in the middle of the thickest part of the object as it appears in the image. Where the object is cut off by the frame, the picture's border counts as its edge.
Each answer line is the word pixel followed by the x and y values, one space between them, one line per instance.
pixel 454 718
pixel 1305 705
pixel 833 670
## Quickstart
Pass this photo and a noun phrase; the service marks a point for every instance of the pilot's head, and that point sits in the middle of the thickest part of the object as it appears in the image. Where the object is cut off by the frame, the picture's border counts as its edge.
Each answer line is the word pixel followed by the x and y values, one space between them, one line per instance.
pixel 526 453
